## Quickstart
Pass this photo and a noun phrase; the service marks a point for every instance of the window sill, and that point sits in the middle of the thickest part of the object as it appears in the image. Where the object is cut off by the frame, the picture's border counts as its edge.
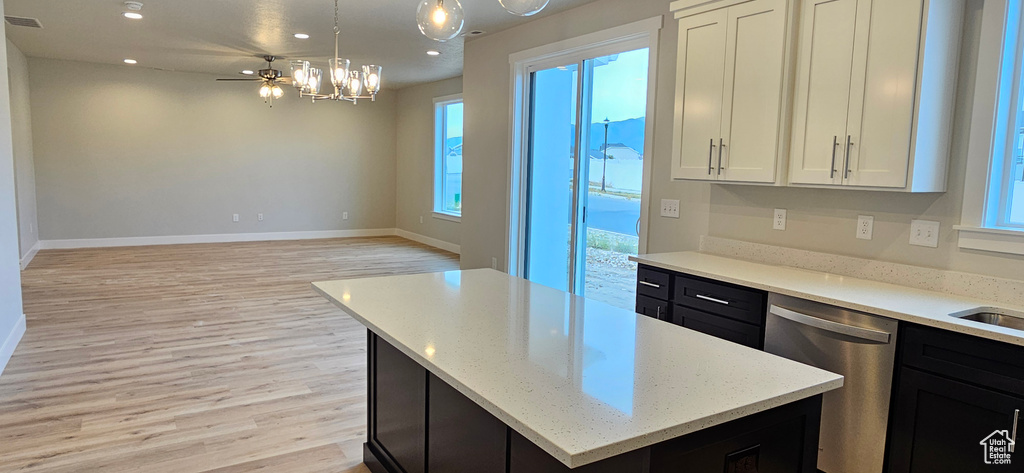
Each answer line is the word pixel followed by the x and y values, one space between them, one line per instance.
pixel 449 217
pixel 997 240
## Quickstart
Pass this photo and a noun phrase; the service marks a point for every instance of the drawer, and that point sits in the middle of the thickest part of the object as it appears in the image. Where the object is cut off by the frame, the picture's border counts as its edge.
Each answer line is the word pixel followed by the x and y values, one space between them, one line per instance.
pixel 987 363
pixel 651 282
pixel 652 307
pixel 738 303
pixel 721 327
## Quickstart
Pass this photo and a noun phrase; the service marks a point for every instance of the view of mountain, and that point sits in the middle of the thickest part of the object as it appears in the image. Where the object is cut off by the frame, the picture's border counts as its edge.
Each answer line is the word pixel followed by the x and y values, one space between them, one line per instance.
pixel 628 132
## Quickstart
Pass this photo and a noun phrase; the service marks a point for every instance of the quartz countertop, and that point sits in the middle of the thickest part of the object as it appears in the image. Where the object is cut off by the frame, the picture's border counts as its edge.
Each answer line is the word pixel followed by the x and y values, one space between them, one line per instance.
pixel 909 304
pixel 583 380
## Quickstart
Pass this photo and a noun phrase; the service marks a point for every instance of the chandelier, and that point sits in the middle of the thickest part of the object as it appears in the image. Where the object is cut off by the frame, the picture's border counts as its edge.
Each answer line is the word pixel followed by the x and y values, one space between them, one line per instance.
pixel 348 84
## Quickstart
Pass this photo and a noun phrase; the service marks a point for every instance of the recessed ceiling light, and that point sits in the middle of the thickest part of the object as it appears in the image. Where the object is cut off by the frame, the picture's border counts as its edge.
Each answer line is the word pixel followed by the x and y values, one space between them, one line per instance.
pixel 132 15
pixel 247 72
pixel 433 53
pixel 130 61
pixel 302 35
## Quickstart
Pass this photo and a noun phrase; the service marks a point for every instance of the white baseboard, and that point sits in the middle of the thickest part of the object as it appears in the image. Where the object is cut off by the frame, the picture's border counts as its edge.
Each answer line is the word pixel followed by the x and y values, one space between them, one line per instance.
pixel 11 342
pixel 28 256
pixel 223 238
pixel 444 245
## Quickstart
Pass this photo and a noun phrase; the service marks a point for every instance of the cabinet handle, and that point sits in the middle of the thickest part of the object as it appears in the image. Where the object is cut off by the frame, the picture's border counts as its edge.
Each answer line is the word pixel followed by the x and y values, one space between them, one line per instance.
pixel 721 147
pixel 1013 441
pixel 711 157
pixel 650 284
pixel 658 316
pixel 835 144
pixel 711 299
pixel 846 159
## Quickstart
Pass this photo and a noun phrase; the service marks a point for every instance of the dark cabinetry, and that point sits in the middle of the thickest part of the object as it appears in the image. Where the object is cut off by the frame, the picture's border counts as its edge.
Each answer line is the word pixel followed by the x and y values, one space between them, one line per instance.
pixel 719 309
pixel 398 415
pixel 955 392
pixel 464 438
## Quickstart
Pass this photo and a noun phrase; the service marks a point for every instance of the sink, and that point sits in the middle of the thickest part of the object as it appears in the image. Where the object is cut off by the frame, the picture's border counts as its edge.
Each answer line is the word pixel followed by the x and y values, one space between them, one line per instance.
pixel 994 316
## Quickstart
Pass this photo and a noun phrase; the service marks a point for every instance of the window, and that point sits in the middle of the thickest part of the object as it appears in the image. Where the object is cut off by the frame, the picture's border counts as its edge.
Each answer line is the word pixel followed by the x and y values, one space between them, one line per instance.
pixel 448 157
pixel 993 211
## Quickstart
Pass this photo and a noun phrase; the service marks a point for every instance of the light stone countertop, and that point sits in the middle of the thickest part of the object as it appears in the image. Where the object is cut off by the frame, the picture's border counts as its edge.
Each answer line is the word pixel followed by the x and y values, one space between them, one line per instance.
pixel 909 304
pixel 581 379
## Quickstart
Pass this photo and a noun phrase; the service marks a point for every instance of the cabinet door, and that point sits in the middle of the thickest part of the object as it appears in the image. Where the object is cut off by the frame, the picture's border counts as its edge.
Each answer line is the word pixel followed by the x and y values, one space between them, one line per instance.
pixel 940 424
pixel 400 410
pixel 464 438
pixel 700 74
pixel 824 71
pixel 884 89
pixel 752 102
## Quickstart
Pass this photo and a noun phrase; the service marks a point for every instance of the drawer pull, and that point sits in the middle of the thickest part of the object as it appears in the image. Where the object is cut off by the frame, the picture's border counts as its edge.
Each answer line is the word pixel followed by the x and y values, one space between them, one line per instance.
pixel 651 284
pixel 711 299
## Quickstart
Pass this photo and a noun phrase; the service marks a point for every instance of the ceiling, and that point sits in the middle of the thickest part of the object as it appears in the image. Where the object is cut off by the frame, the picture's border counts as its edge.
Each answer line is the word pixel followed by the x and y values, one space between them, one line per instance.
pixel 226 36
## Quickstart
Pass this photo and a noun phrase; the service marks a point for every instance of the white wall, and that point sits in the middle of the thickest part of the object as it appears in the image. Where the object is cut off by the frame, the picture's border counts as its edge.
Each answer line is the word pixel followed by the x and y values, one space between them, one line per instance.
pixel 24 167
pixel 486 93
pixel 415 142
pixel 11 321
pixel 124 151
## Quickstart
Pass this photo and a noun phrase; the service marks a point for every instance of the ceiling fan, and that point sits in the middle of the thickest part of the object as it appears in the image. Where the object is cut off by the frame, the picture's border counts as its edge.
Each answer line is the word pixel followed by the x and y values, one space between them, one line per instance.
pixel 270 78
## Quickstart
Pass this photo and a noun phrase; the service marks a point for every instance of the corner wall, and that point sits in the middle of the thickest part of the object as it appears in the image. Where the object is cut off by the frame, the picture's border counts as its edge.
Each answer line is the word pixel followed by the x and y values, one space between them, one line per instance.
pixel 24 166
pixel 415 145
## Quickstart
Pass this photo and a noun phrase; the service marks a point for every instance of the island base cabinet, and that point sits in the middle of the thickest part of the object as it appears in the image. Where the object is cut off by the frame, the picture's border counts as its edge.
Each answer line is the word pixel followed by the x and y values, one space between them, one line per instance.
pixel 464 438
pixel 397 420
pixel 525 457
pixel 940 424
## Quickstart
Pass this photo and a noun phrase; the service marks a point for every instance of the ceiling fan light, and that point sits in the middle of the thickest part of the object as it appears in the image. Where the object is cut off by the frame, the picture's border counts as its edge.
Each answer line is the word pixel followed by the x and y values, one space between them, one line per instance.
pixel 277 91
pixel 371 78
pixel 440 20
pixel 524 7
pixel 265 91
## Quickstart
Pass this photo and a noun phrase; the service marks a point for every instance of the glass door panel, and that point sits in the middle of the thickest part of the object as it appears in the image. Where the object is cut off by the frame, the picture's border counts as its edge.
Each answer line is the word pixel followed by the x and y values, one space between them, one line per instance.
pixel 551 195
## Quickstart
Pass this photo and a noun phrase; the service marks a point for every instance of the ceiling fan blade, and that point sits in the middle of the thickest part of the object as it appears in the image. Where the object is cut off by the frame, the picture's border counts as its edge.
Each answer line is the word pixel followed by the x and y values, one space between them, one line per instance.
pixel 239 80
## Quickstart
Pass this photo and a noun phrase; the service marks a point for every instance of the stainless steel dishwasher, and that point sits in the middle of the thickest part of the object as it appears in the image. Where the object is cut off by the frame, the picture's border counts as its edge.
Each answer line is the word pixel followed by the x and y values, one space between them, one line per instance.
pixel 859 346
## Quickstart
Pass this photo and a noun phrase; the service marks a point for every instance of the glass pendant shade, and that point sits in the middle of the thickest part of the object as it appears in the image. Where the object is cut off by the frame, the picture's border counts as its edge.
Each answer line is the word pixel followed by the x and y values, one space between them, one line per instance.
pixel 313 81
pixel 524 7
pixel 371 78
pixel 339 71
pixel 300 72
pixel 354 86
pixel 265 91
pixel 277 91
pixel 441 20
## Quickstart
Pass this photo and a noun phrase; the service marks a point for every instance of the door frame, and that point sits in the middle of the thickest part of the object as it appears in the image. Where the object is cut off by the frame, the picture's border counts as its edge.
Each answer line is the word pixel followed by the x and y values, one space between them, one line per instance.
pixel 628 37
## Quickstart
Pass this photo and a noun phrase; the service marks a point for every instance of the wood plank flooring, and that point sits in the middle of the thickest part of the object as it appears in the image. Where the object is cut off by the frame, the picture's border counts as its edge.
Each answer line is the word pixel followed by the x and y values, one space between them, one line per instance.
pixel 194 358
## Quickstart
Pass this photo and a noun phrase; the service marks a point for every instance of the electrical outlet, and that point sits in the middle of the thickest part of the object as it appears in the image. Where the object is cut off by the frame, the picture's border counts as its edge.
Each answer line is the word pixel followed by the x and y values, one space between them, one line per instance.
pixel 421 219
pixel 259 217
pixel 670 208
pixel 344 215
pixel 234 217
pixel 780 219
pixel 494 263
pixel 924 233
pixel 865 227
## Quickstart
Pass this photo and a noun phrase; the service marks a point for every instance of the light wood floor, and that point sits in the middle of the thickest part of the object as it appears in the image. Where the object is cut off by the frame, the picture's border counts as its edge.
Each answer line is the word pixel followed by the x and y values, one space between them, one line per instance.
pixel 194 358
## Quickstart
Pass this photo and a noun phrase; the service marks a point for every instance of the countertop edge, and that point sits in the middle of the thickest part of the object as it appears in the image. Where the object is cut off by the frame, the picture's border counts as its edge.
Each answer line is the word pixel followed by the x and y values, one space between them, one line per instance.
pixel 965 327
pixel 575 460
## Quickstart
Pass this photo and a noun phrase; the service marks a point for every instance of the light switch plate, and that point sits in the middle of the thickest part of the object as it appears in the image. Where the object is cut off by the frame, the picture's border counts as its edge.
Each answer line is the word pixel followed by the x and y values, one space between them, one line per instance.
pixel 779 223
pixel 924 233
pixel 670 208
pixel 865 227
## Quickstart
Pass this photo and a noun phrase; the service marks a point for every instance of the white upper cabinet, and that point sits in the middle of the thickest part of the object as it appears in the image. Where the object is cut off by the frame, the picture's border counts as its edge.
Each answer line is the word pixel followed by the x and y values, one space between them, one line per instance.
pixel 730 91
pixel 874 92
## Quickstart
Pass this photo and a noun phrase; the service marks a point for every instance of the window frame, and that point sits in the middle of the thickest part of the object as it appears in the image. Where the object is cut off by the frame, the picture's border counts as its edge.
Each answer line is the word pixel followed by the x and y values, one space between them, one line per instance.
pixel 440 131
pixel 997 95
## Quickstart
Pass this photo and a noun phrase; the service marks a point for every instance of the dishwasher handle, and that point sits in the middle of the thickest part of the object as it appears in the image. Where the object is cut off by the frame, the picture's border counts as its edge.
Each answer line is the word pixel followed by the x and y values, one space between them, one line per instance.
pixel 876 336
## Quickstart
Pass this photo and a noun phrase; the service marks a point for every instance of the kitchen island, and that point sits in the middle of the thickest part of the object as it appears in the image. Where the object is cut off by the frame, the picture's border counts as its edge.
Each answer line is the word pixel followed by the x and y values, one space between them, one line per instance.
pixel 478 371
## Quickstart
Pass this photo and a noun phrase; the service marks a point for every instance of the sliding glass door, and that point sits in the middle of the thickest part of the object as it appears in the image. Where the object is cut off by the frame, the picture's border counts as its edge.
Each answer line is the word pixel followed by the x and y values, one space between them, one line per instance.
pixel 584 175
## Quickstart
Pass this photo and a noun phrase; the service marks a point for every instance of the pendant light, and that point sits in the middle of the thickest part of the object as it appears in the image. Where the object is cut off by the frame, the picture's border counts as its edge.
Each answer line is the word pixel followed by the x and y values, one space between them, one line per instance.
pixel 440 20
pixel 524 7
